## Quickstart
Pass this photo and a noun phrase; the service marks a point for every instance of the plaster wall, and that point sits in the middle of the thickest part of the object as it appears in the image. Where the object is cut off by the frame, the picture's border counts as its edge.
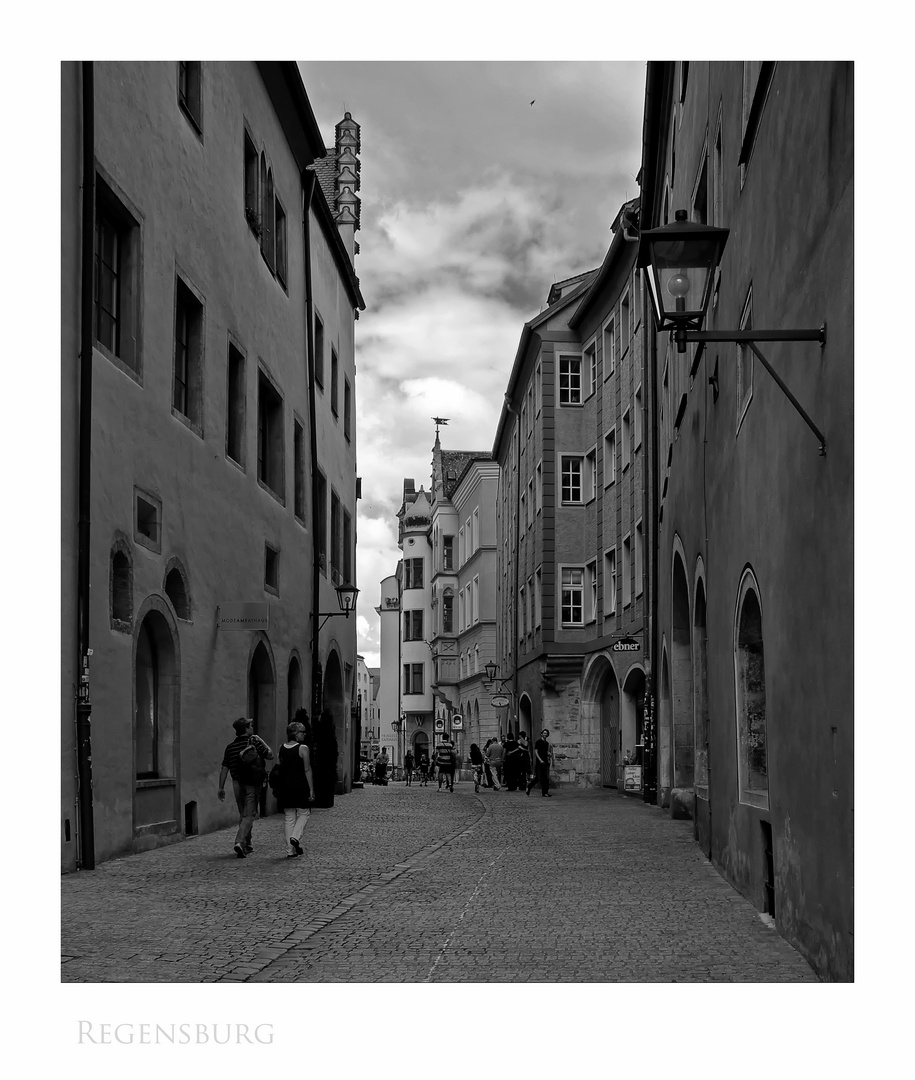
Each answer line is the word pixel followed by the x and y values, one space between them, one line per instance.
pixel 755 492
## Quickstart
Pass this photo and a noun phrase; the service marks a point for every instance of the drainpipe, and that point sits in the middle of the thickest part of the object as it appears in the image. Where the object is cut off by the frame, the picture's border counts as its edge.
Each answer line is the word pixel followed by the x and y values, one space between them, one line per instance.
pixel 649 516
pixel 516 555
pixel 86 838
pixel 308 179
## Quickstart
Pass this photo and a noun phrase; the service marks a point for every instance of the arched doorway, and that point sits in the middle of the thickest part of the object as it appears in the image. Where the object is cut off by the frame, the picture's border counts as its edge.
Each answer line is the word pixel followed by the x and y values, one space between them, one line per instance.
pixel 681 662
pixel 335 704
pixel 664 734
pixel 156 703
pixel 525 715
pixel 293 689
pixel 632 714
pixel 262 702
pixel 610 735
pixel 420 744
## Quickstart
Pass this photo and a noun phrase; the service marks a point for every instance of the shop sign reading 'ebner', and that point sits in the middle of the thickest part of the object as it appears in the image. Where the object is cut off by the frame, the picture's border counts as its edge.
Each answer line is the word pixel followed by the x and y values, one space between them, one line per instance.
pixel 243 617
pixel 626 644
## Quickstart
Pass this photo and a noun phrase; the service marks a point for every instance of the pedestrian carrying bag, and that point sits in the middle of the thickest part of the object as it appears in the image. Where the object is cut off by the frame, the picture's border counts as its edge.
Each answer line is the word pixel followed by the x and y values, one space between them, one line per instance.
pixel 274 779
pixel 251 768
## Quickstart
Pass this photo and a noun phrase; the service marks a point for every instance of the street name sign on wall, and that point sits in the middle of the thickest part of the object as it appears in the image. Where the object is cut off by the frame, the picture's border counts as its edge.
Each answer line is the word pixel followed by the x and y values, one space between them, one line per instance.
pixel 626 644
pixel 500 701
pixel 243 617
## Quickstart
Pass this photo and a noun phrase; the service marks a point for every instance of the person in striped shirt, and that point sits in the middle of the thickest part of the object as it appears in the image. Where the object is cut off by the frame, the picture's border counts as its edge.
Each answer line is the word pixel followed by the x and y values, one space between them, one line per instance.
pixel 246 787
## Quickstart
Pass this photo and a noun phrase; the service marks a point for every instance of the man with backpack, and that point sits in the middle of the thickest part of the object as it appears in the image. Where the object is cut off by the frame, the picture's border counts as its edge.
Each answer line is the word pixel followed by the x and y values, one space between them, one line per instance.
pixel 446 760
pixel 244 759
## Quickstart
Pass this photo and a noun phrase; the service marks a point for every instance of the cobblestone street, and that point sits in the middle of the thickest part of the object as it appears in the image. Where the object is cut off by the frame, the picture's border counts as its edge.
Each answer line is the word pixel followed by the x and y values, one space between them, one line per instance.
pixel 407 884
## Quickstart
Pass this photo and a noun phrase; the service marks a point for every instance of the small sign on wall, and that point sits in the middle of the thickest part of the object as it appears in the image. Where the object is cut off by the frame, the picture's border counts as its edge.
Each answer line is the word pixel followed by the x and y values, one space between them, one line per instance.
pixel 243 617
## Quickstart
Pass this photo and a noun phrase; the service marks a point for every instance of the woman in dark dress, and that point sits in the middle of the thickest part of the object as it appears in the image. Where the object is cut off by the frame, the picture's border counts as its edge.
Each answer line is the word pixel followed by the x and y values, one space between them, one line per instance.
pixel 296 783
pixel 512 763
pixel 325 753
pixel 476 761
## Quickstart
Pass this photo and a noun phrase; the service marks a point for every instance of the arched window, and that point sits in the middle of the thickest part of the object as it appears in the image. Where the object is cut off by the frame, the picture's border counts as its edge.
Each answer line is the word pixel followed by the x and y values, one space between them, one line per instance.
pixel 176 590
pixel 121 588
pixel 750 674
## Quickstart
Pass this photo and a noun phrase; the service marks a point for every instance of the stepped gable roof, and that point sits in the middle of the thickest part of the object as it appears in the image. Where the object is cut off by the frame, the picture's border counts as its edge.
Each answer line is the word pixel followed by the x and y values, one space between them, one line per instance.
pixel 455 463
pixel 326 171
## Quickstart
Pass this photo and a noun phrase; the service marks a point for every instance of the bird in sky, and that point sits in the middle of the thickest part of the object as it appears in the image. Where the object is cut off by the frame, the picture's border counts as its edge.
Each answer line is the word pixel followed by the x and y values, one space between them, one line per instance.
pixel 533 101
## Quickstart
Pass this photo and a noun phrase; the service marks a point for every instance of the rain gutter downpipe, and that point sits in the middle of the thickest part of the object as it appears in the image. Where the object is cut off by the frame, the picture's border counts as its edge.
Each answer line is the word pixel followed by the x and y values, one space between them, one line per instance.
pixel 86 836
pixel 515 557
pixel 308 180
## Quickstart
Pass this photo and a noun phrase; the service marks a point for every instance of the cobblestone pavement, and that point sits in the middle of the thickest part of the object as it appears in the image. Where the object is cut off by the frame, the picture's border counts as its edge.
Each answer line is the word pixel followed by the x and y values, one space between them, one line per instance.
pixel 409 884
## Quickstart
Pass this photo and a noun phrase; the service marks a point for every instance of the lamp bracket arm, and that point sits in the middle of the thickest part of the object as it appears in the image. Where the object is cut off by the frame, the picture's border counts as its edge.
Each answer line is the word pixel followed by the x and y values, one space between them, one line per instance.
pixel 748 336
pixel 765 363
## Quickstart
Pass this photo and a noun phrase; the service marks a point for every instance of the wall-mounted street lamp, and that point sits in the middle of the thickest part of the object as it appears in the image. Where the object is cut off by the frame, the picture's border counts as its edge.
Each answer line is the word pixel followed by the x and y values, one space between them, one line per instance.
pixel 491 670
pixel 346 598
pixel 682 258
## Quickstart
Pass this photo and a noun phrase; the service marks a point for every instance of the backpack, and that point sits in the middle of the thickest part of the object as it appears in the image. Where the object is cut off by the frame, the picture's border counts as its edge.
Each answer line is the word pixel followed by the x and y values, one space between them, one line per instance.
pixel 251 767
pixel 274 779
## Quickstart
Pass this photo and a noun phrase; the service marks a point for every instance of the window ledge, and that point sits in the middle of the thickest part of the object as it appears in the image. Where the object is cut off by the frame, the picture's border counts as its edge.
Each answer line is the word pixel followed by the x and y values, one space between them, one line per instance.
pixel 264 486
pixel 165 781
pixel 187 422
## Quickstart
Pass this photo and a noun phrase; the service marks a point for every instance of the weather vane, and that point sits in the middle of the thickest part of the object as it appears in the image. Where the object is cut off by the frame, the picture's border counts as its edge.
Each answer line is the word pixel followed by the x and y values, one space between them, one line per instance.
pixel 440 420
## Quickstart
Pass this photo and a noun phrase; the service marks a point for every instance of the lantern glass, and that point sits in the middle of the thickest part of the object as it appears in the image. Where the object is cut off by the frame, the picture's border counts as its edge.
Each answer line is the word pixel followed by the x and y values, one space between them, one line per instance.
pixel 346 597
pixel 682 259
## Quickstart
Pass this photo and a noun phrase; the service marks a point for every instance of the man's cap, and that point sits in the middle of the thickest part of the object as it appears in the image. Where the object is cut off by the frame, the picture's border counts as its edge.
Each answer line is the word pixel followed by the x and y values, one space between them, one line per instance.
pixel 241 724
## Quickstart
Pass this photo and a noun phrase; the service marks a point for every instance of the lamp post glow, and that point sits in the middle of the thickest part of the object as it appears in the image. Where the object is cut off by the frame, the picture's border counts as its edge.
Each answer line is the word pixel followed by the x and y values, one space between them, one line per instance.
pixel 682 258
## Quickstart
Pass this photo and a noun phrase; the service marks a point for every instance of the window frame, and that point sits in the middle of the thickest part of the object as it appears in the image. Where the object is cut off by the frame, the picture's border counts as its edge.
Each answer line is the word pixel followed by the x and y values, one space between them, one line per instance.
pixel 271 445
pixel 579 587
pixel 189 303
pixel 236 402
pixel 572 459
pixel 610 452
pixel 611 581
pixel 190 72
pixel 570 358
pixel 746 794
pixel 744 363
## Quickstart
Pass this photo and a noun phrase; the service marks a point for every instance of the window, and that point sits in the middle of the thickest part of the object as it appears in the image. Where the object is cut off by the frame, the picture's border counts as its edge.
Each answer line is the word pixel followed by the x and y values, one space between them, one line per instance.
pixel 530 500
pixel 447 552
pixel 627 571
pixel 757 78
pixel 189 97
pixel 590 475
pixel 573 588
pixel 347 546
pixel 235 406
pixel 176 591
pixel 610 583
pixel 116 277
pixel 571 468
pixel 298 451
pixel 476 528
pixel 525 427
pixel 569 380
pixel 538 597
pixel 336 537
pixel 750 673
pixel 347 409
pixel 121 588
pixel 413 625
pixel 522 602
pixel 538 387
pixel 700 193
pixel 639 555
pixel 147 520
pixel 591 369
pixel 321 521
pixel 475 592
pixel 625 325
pixel 280 243
pixel 523 518
pixel 591 590
pixel 188 371
pixel 627 438
pixel 319 351
pixel 637 419
pixel 413 678
pixel 251 201
pixel 269 436
pixel 448 612
pixel 610 457
pixel 334 390
pixel 268 221
pixel 539 487
pixel 717 175
pixel 413 573
pixel 745 363
pixel 609 348
pixel 684 77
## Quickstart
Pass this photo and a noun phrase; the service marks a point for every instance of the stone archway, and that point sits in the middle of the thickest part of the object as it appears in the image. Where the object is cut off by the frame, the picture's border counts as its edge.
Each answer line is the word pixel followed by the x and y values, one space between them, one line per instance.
pixel 335 704
pixel 525 716
pixel 293 689
pixel 681 663
pixel 156 724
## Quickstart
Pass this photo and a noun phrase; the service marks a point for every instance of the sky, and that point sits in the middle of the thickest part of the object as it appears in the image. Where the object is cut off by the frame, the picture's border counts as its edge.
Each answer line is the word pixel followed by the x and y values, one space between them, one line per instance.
pixel 482 183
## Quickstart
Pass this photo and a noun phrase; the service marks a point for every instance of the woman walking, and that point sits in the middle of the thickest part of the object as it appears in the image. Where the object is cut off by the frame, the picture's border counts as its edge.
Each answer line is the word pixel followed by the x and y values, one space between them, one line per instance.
pixel 294 786
pixel 476 761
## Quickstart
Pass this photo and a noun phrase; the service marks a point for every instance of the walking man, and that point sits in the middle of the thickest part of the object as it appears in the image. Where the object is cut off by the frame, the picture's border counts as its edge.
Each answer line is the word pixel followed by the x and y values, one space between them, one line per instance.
pixel 543 754
pixel 445 759
pixel 248 772
pixel 408 766
pixel 494 756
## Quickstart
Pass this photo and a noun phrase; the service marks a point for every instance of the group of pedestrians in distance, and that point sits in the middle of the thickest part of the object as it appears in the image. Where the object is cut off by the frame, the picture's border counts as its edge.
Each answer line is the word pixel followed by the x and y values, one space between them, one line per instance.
pixel 291 779
pixel 503 762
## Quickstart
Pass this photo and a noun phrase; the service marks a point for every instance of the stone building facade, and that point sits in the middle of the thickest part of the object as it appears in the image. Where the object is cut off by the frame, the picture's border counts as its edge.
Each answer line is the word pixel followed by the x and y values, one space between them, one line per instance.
pixel 200 440
pixel 754 524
